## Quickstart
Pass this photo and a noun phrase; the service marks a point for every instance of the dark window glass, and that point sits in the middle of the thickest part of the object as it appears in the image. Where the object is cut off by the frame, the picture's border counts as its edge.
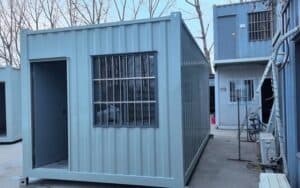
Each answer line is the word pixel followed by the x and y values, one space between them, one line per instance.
pixel 146 113
pixel 145 90
pixel 110 90
pixel 117 90
pixel 131 113
pixel 123 65
pixel 97 96
pixel 116 64
pixel 137 66
pixel 138 90
pixel 151 65
pixel 139 113
pixel 103 90
pixel 109 66
pixel 152 114
pixel 152 89
pixel 124 90
pixel 130 90
pixel 103 67
pixel 96 68
pixel 130 66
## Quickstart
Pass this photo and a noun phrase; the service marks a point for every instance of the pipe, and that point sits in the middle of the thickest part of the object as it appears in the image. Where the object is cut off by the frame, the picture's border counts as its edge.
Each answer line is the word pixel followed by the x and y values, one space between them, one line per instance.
pixel 277 116
pixel 274 56
pixel 272 63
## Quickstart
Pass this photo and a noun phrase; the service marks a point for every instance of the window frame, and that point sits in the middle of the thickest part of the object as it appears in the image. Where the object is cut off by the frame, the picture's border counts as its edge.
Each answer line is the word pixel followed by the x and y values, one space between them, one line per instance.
pixel 257 35
pixel 155 123
pixel 241 81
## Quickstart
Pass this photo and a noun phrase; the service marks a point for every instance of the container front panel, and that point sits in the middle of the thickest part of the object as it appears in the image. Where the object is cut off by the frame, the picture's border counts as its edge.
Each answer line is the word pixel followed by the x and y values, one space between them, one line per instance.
pixel 126 151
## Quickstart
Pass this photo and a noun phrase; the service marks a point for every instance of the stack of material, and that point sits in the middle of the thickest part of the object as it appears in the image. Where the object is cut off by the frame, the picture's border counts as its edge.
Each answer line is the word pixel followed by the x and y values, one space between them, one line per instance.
pixel 271 180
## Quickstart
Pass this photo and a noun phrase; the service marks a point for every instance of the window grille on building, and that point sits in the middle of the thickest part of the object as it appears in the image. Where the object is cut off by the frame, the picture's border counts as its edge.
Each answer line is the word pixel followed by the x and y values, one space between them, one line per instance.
pixel 243 89
pixel 260 25
pixel 124 89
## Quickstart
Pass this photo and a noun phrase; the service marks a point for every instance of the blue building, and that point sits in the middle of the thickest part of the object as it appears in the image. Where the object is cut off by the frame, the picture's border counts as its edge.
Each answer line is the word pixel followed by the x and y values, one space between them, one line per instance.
pixel 288 18
pixel 242 35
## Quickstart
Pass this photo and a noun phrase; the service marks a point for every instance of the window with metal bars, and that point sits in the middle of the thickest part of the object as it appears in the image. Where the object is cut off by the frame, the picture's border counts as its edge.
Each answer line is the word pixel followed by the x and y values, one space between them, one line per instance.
pixel 260 25
pixel 243 89
pixel 125 90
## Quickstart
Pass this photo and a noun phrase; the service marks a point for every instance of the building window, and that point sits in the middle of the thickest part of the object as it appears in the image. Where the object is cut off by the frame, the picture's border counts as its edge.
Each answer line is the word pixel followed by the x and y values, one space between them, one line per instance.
pixel 243 89
pixel 260 25
pixel 125 90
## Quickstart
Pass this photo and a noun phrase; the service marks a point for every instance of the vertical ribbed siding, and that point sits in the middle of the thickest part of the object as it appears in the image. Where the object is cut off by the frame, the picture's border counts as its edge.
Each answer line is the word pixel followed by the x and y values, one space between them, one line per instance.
pixel 126 151
pixel 289 92
pixel 195 100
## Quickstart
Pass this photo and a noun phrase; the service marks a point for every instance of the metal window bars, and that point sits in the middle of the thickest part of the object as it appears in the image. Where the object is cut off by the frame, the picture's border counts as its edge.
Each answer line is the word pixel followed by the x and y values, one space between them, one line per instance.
pixel 243 89
pixel 125 90
pixel 260 25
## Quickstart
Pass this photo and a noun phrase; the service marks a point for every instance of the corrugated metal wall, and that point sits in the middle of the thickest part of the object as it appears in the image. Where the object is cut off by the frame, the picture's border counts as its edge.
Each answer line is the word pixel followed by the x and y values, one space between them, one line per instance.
pixel 195 100
pixel 130 153
pixel 11 77
pixel 244 48
pixel 289 89
pixel 109 150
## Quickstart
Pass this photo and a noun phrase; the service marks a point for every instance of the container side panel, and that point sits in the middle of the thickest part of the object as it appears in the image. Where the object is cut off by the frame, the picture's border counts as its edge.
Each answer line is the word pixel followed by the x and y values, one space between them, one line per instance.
pixel 195 99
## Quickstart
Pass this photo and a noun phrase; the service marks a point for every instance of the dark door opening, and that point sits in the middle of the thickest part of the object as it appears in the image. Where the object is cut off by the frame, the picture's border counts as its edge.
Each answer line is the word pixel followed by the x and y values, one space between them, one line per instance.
pixel 266 100
pixel 212 99
pixel 49 114
pixel 2 110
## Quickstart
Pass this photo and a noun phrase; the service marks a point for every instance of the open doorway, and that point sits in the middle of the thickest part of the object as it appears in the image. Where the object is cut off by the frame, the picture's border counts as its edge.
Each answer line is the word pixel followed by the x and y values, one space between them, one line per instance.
pixel 49 98
pixel 2 110
pixel 266 100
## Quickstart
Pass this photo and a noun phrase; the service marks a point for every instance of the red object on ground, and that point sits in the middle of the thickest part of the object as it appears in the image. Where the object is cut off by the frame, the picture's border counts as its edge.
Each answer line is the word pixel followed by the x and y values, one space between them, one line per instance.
pixel 213 119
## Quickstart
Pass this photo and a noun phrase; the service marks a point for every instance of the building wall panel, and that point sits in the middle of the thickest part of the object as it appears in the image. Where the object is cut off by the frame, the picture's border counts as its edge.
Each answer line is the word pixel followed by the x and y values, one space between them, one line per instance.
pixel 244 47
pixel 11 77
pixel 226 110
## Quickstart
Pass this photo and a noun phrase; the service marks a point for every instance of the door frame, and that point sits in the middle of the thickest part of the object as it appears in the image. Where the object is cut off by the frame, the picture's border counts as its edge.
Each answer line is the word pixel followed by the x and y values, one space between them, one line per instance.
pixel 53 60
pixel 218 51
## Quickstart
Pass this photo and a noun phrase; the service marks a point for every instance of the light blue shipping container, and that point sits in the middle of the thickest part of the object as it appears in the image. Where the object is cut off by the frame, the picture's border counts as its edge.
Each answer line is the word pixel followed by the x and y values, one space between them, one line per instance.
pixel 121 103
pixel 10 104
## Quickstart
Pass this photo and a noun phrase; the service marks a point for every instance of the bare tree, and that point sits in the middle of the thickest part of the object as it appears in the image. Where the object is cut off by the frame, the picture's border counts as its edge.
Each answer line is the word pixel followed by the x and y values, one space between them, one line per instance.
pixel 33 14
pixel 159 8
pixel 50 11
pixel 92 11
pixel 18 24
pixel 136 7
pixel 204 30
pixel 120 6
pixel 68 12
pixel 11 21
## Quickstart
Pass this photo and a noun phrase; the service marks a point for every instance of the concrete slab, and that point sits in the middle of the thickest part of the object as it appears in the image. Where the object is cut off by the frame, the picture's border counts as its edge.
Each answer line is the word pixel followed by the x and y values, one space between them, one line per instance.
pixel 213 171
